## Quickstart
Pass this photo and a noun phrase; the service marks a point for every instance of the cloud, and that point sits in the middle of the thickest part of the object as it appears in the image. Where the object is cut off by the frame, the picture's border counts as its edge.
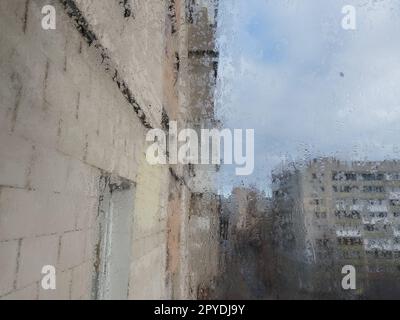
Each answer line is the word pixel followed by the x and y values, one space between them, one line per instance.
pixel 308 87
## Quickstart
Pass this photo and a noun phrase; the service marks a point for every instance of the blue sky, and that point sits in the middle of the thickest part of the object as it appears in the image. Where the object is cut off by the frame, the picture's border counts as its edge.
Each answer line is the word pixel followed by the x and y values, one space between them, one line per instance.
pixel 308 87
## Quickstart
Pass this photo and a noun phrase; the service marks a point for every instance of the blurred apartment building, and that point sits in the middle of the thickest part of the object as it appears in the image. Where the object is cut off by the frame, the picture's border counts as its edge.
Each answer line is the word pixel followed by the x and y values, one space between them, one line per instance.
pixel 246 251
pixel 329 213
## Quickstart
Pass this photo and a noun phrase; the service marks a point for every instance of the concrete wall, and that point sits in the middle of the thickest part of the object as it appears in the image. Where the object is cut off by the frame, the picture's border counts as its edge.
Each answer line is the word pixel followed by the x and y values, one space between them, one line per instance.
pixel 64 122
pixel 189 245
pixel 77 103
pixel 203 244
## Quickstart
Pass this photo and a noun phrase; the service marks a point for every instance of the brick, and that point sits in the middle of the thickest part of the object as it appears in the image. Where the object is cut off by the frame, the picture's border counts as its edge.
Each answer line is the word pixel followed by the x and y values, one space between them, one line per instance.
pixel 61 213
pixel 27 293
pixel 25 213
pixel 34 118
pixel 37 121
pixel 21 89
pixel 72 139
pixel 86 209
pixel 72 251
pixel 81 281
pixel 12 17
pixel 62 99
pixel 15 157
pixel 82 179
pixel 10 90
pixel 36 253
pixel 88 114
pixel 49 170
pixel 95 152
pixel 8 265
pixel 19 212
pixel 77 67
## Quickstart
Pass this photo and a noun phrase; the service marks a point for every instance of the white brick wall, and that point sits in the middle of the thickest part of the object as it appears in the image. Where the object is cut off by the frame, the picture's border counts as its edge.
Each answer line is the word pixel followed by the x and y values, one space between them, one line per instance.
pixel 8 265
pixel 34 254
pixel 14 162
pixel 62 122
pixel 72 250
pixel 27 293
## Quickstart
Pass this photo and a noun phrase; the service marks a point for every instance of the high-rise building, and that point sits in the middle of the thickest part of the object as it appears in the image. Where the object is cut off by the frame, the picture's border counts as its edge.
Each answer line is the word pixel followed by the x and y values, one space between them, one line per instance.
pixel 329 214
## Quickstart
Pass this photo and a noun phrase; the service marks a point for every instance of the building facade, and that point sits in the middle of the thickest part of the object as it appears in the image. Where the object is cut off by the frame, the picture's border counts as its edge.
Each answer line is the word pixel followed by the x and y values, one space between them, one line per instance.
pixel 246 251
pixel 76 191
pixel 329 214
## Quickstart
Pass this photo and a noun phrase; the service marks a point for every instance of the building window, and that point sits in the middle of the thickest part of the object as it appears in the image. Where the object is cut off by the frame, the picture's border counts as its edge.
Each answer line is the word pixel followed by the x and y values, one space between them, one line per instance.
pixel 345 189
pixel 376 189
pixel 317 202
pixel 322 243
pixel 372 176
pixel 320 215
pixel 393 176
pixel 369 227
pixel 113 260
pixel 394 202
pixel 223 228
pixel 314 176
pixel 351 176
pixel 344 176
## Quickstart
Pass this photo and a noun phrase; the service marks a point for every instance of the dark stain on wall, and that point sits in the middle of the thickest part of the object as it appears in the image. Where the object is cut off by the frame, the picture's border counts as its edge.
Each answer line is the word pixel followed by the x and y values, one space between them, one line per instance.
pixel 90 37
